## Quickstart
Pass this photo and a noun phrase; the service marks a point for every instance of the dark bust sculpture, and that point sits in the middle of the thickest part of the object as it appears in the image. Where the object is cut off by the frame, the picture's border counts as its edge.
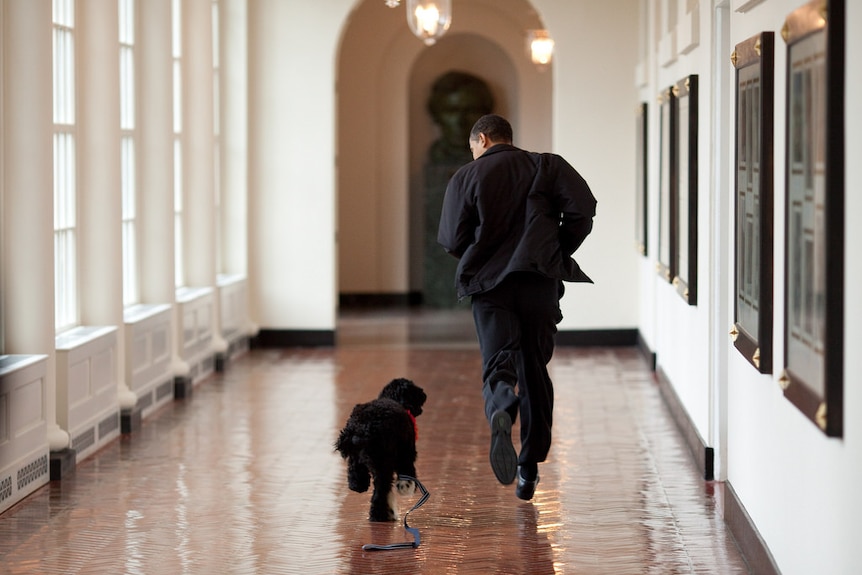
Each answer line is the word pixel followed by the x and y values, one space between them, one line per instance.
pixel 457 100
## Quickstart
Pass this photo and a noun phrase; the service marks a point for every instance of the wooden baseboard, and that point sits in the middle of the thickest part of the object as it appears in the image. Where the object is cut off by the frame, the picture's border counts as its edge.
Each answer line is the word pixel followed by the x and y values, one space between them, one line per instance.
pixel 597 337
pixel 379 300
pixel 739 523
pixel 649 355
pixel 703 454
pixel 278 338
pixel 747 536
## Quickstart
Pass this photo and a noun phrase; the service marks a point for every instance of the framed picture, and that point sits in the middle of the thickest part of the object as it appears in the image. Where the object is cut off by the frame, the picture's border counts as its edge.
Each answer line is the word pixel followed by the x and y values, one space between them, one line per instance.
pixel 667 184
pixel 754 60
pixel 642 145
pixel 813 378
pixel 684 250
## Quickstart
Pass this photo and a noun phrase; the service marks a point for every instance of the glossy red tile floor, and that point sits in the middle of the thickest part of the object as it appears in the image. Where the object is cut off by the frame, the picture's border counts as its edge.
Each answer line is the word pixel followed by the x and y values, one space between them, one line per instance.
pixel 241 478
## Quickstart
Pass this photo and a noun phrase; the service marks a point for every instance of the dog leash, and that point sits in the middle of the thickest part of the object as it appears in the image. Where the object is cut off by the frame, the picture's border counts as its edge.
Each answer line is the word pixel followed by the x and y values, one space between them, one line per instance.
pixel 412 530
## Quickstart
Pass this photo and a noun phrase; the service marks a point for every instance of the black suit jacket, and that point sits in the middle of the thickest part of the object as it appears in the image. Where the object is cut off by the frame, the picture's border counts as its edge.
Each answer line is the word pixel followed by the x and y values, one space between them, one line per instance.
pixel 511 210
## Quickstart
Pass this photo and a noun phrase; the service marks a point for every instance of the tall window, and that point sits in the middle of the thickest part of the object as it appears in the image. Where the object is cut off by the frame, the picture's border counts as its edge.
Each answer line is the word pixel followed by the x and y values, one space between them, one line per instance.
pixel 127 151
pixel 176 50
pixel 65 236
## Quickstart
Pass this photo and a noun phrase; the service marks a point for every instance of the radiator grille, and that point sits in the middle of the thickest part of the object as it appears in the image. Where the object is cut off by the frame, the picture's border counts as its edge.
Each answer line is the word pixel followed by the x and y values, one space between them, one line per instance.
pixel 145 401
pixel 6 488
pixel 109 425
pixel 32 471
pixel 84 440
pixel 165 389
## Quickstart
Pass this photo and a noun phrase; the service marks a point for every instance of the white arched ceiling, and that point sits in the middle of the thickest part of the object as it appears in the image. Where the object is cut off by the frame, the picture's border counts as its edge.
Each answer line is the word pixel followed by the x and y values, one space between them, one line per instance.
pixel 383 130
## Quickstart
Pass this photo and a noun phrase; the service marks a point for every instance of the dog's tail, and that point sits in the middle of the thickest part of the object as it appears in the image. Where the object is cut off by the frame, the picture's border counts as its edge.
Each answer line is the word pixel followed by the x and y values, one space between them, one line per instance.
pixel 350 441
pixel 343 443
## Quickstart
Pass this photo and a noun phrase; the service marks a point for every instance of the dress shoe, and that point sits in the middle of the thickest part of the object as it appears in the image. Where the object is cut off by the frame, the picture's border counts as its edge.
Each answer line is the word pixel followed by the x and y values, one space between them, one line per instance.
pixel 504 460
pixel 525 488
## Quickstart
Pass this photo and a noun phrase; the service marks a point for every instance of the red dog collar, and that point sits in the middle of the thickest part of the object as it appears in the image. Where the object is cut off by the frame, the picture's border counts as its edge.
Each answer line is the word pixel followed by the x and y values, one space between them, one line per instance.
pixel 415 427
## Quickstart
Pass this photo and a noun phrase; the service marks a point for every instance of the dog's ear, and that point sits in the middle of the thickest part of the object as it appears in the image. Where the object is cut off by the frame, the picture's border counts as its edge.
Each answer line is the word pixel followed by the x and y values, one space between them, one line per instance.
pixel 396 390
pixel 410 396
pixel 416 399
pixel 405 392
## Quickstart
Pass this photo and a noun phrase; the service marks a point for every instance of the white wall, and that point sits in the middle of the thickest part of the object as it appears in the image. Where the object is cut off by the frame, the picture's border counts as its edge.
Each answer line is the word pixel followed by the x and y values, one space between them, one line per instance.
pixel 681 332
pixel 800 487
pixel 797 485
pixel 292 54
pixel 593 127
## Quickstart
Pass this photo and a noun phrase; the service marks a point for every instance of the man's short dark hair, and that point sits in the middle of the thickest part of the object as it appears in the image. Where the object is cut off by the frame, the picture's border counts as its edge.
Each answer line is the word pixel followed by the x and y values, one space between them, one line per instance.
pixel 496 128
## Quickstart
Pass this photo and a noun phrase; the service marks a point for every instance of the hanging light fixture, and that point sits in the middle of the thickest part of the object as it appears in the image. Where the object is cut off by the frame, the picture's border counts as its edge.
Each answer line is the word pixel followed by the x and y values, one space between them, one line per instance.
pixel 541 47
pixel 393 3
pixel 429 19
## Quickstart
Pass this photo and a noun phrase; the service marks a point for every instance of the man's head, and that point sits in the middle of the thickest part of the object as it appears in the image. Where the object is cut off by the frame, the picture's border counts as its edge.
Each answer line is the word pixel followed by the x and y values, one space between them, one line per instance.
pixel 489 130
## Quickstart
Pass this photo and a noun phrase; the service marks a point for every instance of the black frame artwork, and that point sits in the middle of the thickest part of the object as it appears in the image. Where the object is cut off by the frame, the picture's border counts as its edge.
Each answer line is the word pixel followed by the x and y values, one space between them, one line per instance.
pixel 641 178
pixel 667 184
pixel 754 60
pixel 684 218
pixel 813 377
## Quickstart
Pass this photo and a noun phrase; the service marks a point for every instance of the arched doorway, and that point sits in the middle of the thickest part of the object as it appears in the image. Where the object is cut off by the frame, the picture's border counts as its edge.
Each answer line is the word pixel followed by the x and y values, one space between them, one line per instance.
pixel 384 130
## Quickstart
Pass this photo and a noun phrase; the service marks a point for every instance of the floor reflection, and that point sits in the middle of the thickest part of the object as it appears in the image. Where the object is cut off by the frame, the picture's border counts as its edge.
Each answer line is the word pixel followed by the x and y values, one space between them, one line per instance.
pixel 242 477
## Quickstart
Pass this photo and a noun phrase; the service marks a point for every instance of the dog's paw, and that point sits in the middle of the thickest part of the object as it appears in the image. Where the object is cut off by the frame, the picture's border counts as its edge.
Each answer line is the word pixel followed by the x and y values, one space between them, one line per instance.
pixel 383 516
pixel 387 511
pixel 405 487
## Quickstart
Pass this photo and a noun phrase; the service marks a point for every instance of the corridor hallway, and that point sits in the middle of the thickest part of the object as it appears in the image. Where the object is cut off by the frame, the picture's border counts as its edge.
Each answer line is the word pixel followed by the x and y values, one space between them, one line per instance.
pixel 241 477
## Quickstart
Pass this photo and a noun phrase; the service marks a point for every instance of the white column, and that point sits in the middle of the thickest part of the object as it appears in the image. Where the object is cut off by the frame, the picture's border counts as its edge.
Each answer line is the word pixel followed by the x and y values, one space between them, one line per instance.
pixel 198 166
pixel 292 162
pixel 155 159
pixel 233 124
pixel 28 274
pixel 233 25
pixel 154 146
pixel 720 241
pixel 100 211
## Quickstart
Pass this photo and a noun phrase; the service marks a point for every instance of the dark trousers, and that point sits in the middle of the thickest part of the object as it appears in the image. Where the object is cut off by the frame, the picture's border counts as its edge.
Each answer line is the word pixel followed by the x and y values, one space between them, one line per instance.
pixel 516 323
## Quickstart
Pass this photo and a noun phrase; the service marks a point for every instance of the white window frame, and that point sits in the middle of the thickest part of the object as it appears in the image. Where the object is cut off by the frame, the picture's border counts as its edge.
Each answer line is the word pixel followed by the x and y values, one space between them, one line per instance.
pixel 66 304
pixel 128 185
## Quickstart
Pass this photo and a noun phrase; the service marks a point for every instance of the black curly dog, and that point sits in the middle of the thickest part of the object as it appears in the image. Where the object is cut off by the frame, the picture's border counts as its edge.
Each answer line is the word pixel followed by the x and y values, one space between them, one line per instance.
pixel 379 442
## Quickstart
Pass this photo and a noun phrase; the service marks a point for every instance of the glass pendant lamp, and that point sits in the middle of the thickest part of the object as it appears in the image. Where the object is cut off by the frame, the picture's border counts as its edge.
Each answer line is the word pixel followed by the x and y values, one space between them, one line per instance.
pixel 429 19
pixel 541 47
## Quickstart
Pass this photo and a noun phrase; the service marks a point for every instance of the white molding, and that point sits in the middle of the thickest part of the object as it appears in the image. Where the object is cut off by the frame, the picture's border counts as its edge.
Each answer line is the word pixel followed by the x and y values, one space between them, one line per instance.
pixel 688 29
pixel 641 74
pixel 667 50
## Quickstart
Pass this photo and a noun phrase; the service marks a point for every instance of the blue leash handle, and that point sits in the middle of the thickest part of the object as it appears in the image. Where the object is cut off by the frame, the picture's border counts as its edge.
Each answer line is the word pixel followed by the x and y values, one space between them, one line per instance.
pixel 412 530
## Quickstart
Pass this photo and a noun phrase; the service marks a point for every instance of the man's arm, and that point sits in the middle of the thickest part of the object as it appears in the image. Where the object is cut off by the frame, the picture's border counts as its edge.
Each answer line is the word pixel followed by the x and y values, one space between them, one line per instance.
pixel 577 206
pixel 457 219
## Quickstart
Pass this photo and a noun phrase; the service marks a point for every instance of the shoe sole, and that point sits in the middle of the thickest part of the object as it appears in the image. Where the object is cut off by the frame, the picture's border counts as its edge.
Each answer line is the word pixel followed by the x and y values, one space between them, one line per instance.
pixel 504 460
